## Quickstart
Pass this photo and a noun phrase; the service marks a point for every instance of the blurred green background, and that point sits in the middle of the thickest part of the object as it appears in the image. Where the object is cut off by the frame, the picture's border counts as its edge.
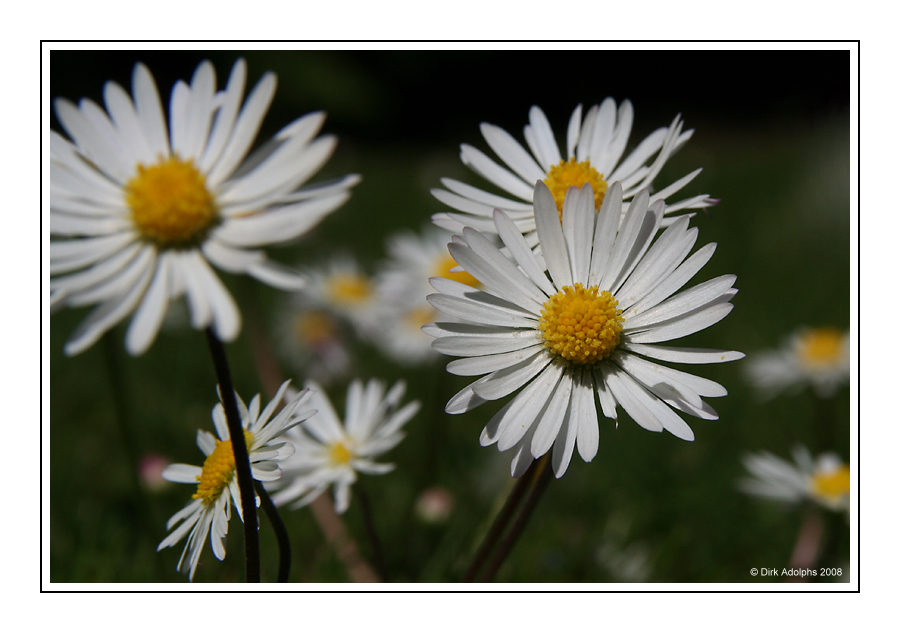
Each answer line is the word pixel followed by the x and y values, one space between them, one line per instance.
pixel 773 137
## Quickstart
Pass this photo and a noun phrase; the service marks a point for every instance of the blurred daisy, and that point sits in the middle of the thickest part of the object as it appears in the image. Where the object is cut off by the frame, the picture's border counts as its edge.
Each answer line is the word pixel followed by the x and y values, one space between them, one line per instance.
pixel 402 288
pixel 217 486
pixel 413 260
pixel 825 480
pixel 331 453
pixel 594 148
pixel 818 357
pixel 583 329
pixel 312 341
pixel 343 288
pixel 148 209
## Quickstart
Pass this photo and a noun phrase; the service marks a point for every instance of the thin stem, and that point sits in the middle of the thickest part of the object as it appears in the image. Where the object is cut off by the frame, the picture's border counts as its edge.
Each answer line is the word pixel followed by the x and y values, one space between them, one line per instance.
pixel 241 455
pixel 114 367
pixel 372 533
pixel 500 523
pixel 809 538
pixel 281 534
pixel 542 478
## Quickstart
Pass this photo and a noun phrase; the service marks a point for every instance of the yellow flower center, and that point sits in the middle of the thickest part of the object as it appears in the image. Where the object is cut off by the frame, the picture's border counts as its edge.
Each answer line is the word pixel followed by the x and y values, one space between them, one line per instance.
pixel 349 289
pixel 442 269
pixel 832 486
pixel 339 454
pixel 170 203
pixel 571 174
pixel 314 327
pixel 821 347
pixel 218 470
pixel 581 325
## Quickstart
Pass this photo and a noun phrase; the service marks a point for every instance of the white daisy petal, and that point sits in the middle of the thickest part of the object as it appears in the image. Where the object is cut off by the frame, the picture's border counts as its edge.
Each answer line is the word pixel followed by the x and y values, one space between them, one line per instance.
pixel 477 365
pixel 149 315
pixel 564 445
pixel 501 177
pixel 504 381
pixel 513 154
pixel 553 243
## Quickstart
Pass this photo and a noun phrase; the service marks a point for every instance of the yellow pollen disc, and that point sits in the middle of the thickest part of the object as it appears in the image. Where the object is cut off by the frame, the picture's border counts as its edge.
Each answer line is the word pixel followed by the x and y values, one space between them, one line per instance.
pixel 170 203
pixel 349 289
pixel 821 347
pixel 581 325
pixel 314 327
pixel 832 486
pixel 571 174
pixel 218 470
pixel 442 269
pixel 339 454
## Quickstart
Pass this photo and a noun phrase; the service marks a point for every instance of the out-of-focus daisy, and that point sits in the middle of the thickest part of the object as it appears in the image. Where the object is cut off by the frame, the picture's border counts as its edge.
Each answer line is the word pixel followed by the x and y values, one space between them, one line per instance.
pixel 341 287
pixel 331 453
pixel 313 342
pixel 147 208
pixel 818 357
pixel 402 288
pixel 582 330
pixel 209 512
pixel 413 260
pixel 825 480
pixel 594 148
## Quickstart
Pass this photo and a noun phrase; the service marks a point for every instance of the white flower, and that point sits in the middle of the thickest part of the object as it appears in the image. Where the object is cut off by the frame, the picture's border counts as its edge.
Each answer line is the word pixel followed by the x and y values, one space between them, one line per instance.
pixel 343 288
pixel 582 330
pixel 312 340
pixel 818 357
pixel 594 148
pixel 217 486
pixel 402 288
pixel 148 209
pixel 328 452
pixel 825 480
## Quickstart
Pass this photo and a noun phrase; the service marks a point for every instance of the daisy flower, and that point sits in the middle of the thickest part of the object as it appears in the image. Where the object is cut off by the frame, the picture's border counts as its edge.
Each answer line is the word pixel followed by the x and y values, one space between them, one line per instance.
pixel 145 209
pixel 313 342
pixel 331 453
pixel 402 288
pixel 217 487
pixel 825 480
pixel 594 149
pixel 582 330
pixel 817 357
pixel 343 288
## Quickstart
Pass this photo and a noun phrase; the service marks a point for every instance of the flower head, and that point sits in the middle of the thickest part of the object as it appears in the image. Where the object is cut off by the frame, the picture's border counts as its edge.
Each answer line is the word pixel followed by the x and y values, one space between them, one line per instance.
pixel 581 328
pixel 818 357
pixel 341 287
pixel 402 288
pixel 145 209
pixel 594 149
pixel 825 480
pixel 331 453
pixel 216 481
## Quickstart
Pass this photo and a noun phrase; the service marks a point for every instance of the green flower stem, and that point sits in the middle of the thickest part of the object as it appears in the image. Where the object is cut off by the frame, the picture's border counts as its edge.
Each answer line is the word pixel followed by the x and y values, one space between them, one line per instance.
pixel 377 551
pixel 281 534
pixel 500 523
pixel 541 479
pixel 241 455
